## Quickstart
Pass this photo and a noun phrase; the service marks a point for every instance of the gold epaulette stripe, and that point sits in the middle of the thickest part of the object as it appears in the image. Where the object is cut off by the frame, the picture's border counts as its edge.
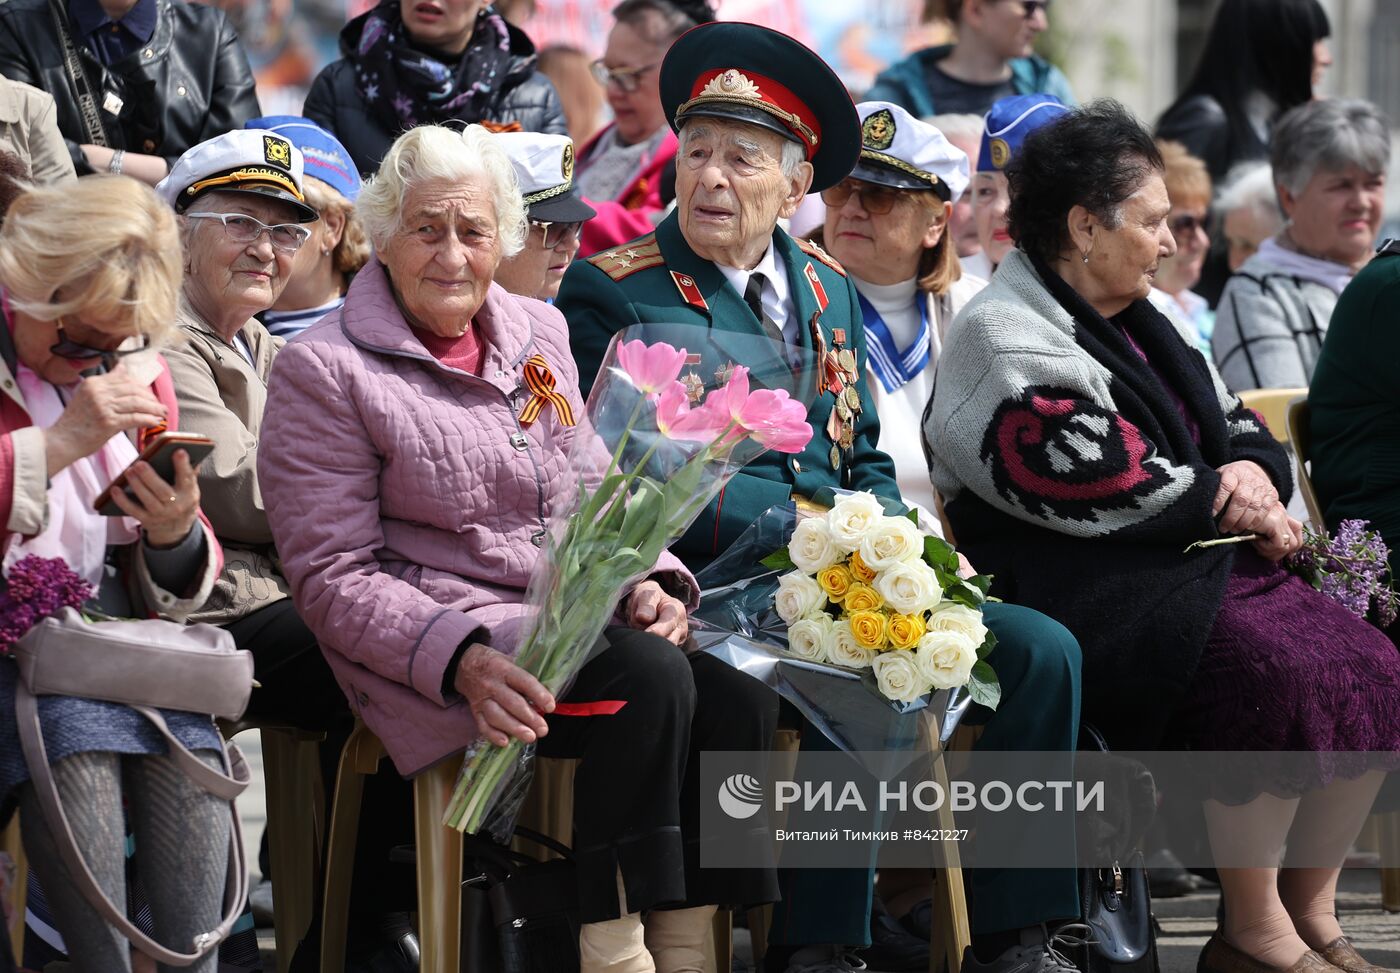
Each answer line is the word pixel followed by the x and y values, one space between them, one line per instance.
pixel 624 261
pixel 812 250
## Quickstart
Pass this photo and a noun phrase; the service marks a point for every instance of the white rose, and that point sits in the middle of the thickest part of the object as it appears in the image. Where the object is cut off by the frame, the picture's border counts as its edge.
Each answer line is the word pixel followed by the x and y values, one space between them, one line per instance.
pixel 852 518
pixel 946 659
pixel 960 619
pixel 812 547
pixel 894 540
pixel 808 637
pixel 844 650
pixel 898 677
pixel 909 588
pixel 798 596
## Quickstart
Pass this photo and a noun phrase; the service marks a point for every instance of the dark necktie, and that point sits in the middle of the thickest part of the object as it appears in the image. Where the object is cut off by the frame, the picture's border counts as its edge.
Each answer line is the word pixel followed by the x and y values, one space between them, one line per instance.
pixel 753 297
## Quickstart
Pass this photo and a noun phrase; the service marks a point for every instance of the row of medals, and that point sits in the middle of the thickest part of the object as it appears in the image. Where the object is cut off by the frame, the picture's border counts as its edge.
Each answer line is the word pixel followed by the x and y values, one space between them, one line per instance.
pixel 838 376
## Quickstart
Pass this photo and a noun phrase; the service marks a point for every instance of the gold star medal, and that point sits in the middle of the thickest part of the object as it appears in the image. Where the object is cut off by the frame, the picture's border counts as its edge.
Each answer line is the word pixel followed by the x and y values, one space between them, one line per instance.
pixel 724 373
pixel 694 384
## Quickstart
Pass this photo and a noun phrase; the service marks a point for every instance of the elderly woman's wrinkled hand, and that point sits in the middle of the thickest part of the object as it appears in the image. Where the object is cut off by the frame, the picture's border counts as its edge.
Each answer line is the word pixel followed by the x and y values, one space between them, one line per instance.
pixel 1245 500
pixel 102 406
pixel 166 512
pixel 1280 536
pixel 652 610
pixel 505 699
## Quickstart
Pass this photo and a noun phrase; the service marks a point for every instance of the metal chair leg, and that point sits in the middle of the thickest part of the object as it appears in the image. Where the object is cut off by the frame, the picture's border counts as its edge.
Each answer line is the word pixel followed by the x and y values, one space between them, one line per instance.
pixel 1390 860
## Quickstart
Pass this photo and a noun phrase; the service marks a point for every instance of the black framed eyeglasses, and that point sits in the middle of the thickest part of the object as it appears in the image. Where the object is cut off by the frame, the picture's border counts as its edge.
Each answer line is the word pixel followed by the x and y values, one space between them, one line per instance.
pixel 1030 7
pixel 1185 224
pixel 556 234
pixel 628 79
pixel 66 347
pixel 875 200
pixel 240 228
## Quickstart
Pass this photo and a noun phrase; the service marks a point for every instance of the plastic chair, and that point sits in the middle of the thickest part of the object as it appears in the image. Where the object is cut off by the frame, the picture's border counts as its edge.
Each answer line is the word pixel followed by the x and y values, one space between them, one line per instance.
pixel 11 844
pixel 295 825
pixel 1273 405
pixel 439 857
pixel 1301 435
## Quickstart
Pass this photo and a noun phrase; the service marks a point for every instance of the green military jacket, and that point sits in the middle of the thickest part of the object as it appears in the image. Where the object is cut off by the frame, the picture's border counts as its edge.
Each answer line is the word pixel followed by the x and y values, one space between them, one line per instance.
pixel 658 278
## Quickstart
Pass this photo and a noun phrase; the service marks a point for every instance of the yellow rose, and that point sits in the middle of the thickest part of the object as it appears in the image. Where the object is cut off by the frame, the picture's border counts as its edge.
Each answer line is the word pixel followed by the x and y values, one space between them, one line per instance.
pixel 835 581
pixel 906 630
pixel 869 629
pixel 862 598
pixel 860 571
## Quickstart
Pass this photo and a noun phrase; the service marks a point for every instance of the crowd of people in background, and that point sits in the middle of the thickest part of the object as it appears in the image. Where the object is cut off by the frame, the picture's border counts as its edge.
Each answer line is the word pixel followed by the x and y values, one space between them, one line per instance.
pixel 1052 309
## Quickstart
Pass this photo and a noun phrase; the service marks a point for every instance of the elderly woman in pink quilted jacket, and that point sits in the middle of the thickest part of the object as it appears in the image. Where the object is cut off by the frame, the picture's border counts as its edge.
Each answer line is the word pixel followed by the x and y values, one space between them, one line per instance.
pixel 409 501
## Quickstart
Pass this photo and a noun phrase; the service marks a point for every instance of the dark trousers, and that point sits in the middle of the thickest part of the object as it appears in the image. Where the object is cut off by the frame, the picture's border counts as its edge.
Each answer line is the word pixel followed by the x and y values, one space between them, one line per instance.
pixel 1037 662
pixel 636 788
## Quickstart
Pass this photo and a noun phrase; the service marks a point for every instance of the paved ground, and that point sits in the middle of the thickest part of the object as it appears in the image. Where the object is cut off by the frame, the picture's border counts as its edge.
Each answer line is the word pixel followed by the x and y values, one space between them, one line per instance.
pixel 1186 922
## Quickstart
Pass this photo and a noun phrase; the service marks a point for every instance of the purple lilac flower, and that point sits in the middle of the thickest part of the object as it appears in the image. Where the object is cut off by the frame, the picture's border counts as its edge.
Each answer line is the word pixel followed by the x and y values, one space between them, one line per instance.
pixel 35 588
pixel 1350 568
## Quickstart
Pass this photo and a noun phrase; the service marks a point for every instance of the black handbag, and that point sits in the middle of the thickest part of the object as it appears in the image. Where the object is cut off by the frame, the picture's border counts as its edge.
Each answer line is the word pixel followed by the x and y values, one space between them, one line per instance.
pixel 519 915
pixel 1114 901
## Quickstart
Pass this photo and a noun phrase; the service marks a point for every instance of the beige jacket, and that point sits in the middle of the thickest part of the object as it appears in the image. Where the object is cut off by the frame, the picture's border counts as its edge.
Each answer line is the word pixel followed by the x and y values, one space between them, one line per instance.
pixel 222 395
pixel 29 129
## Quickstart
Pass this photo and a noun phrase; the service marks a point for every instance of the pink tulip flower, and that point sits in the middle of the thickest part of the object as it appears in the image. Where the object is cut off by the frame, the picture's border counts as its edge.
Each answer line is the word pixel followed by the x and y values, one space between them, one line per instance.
pixel 651 368
pixel 677 420
pixel 776 420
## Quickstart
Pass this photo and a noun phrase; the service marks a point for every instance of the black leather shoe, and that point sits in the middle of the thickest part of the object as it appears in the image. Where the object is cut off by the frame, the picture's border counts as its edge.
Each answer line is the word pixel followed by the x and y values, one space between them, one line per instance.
pixel 893 947
pixel 919 920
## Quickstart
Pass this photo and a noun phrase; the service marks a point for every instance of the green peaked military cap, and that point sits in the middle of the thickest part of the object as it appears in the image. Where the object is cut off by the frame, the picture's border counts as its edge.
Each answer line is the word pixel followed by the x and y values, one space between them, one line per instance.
pixel 747 73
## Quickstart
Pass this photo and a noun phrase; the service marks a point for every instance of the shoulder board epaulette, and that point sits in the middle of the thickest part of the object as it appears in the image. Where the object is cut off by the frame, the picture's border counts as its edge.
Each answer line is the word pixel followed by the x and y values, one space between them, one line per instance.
pixel 812 250
pixel 621 262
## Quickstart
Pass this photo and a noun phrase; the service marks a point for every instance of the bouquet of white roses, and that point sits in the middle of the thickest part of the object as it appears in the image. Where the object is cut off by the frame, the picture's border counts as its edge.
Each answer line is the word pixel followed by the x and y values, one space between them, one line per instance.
pixel 870 591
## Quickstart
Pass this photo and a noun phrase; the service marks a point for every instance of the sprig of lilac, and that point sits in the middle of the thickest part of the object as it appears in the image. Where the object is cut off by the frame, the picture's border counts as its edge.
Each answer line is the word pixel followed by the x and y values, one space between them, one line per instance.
pixel 1350 568
pixel 35 588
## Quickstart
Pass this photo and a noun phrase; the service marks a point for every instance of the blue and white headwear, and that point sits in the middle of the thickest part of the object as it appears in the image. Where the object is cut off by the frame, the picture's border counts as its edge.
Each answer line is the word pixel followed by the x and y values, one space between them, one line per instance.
pixel 1009 122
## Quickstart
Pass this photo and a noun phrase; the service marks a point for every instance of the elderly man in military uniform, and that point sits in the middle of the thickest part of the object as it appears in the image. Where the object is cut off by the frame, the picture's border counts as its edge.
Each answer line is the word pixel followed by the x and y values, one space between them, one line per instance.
pixel 762 122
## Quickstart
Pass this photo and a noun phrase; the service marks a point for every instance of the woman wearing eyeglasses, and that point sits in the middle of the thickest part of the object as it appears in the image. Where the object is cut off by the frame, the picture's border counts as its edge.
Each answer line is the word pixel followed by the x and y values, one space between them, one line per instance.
pixel 89 277
pixel 994 57
pixel 241 204
pixel 620 169
pixel 1189 189
pixel 430 62
pixel 544 172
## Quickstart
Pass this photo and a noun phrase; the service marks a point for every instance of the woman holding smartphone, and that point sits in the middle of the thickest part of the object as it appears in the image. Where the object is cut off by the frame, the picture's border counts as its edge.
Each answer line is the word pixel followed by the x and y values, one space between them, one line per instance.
pixel 89 277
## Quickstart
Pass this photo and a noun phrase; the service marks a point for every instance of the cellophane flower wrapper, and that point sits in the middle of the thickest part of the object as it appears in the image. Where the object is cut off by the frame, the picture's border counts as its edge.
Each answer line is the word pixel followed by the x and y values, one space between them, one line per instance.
pixel 738 624
pixel 646 460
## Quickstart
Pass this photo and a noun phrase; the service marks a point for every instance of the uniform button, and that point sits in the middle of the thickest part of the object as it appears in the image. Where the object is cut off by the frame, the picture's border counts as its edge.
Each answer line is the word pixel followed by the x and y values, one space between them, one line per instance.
pixel 148 53
pixel 796 466
pixel 180 90
pixel 9 384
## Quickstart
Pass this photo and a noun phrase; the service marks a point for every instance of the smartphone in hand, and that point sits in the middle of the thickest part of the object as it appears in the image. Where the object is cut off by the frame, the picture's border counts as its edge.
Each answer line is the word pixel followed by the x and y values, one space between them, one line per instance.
pixel 160 453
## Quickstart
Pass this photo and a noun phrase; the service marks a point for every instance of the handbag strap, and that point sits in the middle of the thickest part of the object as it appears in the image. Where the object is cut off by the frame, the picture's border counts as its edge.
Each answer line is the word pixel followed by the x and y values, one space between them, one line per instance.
pixel 87 104
pixel 31 740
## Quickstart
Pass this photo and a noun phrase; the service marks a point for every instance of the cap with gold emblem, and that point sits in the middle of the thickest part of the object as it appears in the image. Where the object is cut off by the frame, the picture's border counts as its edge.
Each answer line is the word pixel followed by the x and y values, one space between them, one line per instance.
pixel 248 160
pixel 898 150
pixel 544 169
pixel 1009 122
pixel 747 73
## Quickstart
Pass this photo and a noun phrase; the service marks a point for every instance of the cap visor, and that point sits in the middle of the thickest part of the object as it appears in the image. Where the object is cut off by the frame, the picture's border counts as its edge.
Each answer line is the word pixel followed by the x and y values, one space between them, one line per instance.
pixel 867 170
pixel 567 208
pixel 304 213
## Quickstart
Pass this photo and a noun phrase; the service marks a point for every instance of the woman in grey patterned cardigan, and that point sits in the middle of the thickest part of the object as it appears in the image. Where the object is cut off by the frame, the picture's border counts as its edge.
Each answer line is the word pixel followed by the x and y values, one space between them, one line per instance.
pixel 1081 443
pixel 1329 161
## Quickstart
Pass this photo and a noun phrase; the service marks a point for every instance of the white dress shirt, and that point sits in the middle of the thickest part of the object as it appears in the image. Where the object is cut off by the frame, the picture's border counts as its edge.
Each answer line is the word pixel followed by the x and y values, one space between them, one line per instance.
pixel 775 297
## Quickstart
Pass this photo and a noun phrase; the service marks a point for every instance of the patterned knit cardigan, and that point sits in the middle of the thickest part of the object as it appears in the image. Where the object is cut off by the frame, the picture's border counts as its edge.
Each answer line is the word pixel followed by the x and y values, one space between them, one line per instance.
pixel 1069 472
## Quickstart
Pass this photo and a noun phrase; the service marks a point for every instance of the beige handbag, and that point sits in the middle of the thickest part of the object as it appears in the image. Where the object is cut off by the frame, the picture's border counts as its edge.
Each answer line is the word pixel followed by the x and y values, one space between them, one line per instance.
pixel 149 664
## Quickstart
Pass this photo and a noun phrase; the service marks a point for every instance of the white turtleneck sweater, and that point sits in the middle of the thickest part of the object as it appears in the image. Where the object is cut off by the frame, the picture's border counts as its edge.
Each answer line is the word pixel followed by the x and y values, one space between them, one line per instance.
pixel 902 412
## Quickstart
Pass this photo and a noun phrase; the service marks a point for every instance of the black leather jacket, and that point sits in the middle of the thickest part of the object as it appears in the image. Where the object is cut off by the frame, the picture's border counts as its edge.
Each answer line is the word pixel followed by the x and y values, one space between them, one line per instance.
pixel 524 95
pixel 190 83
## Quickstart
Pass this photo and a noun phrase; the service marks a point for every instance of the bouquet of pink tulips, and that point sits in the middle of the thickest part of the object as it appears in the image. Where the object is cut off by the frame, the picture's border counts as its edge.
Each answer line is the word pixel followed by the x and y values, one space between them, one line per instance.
pixel 658 444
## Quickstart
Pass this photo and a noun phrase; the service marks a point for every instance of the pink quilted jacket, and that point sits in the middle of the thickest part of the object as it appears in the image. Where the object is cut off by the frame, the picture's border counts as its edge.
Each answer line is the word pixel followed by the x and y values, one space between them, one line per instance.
pixel 405 518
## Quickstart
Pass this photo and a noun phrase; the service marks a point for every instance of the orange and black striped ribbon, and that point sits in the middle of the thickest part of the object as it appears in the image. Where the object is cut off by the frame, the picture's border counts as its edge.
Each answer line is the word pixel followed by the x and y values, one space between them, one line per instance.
pixel 540 381
pixel 149 433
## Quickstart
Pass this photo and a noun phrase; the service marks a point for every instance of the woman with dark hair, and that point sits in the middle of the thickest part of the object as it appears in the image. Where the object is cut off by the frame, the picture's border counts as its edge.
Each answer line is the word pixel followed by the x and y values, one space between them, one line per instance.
pixel 408 63
pixel 1081 444
pixel 1262 58
pixel 620 170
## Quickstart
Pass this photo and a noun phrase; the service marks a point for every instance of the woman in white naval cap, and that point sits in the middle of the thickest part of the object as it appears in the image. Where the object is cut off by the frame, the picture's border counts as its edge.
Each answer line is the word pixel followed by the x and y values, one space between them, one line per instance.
pixel 887 223
pixel 544 170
